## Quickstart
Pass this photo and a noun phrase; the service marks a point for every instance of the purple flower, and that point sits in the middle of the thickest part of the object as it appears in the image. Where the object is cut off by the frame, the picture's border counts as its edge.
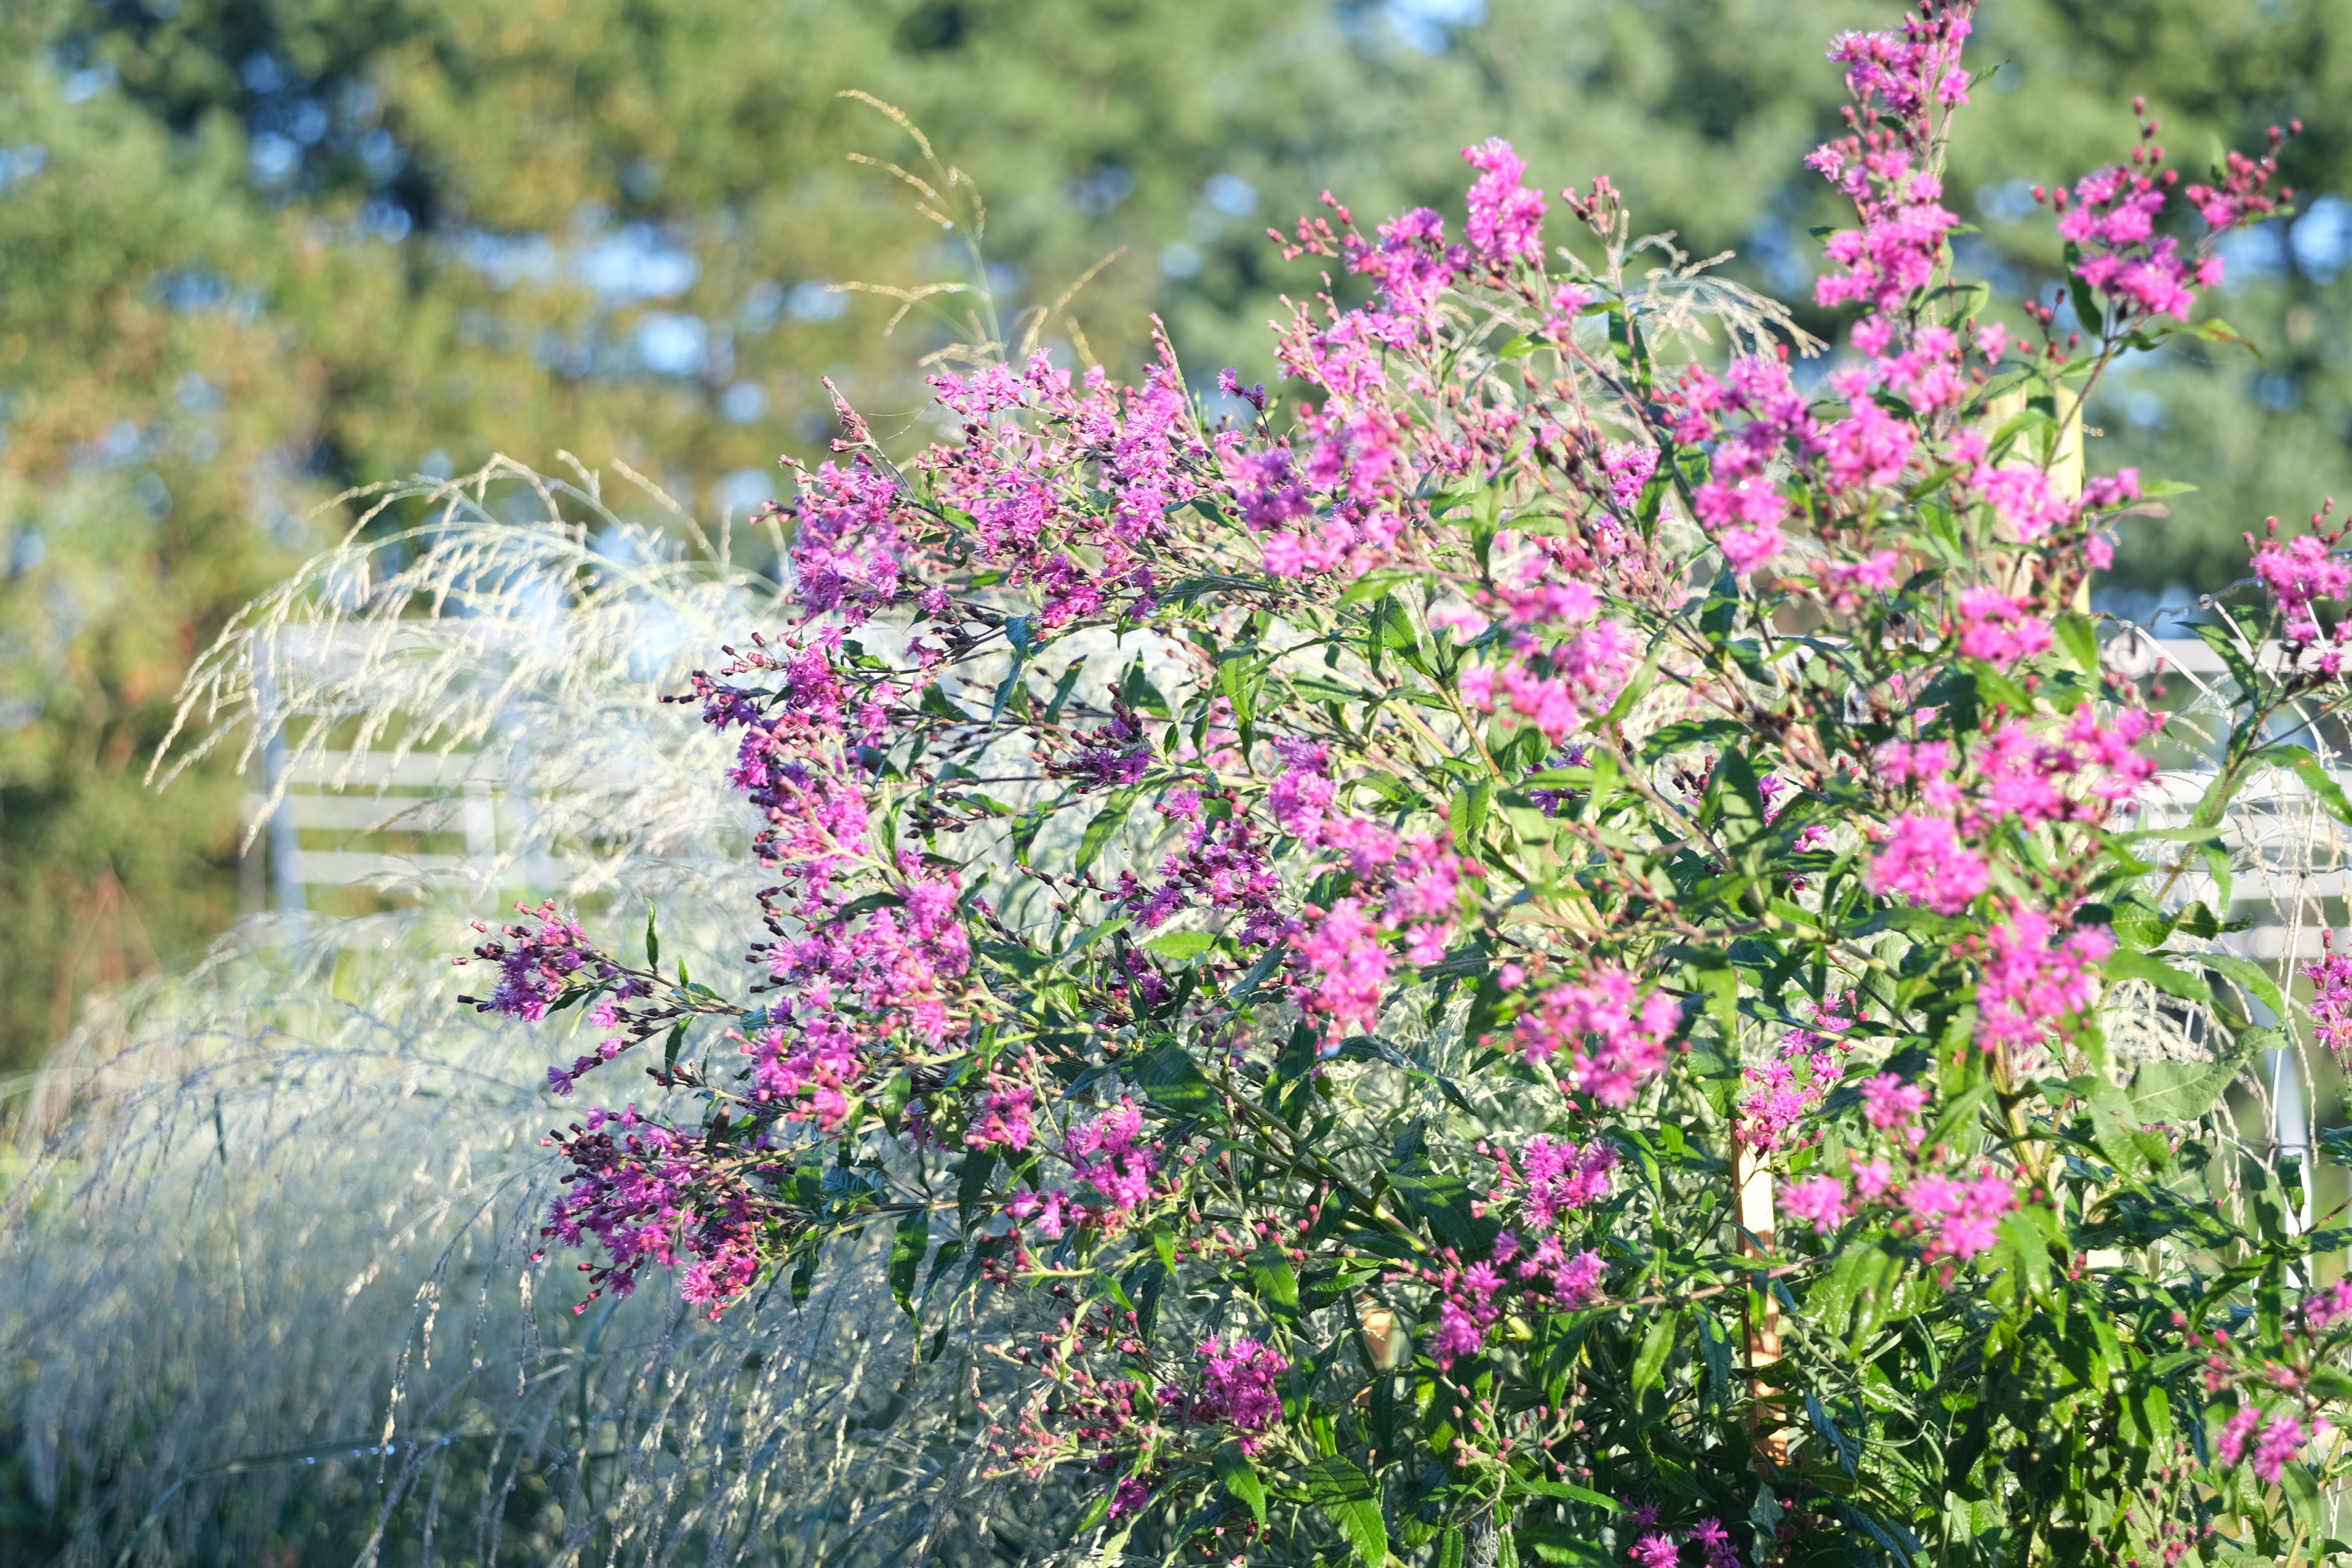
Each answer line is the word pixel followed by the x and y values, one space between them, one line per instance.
pixel 1505 217
pixel 1922 860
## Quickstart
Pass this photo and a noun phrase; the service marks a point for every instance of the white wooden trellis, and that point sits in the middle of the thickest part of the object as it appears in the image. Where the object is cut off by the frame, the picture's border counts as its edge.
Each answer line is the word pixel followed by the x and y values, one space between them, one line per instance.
pixel 369 795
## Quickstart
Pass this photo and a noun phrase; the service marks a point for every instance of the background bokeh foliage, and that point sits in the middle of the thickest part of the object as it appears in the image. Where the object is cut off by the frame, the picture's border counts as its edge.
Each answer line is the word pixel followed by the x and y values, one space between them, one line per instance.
pixel 255 251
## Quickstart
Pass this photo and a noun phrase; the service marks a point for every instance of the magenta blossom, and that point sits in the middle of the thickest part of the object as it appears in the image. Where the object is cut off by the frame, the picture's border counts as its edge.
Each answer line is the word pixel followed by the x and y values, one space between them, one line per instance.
pixel 1922 860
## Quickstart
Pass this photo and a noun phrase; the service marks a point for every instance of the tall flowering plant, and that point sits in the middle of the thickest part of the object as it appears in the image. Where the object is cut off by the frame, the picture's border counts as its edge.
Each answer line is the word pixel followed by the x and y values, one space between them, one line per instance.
pixel 1507 963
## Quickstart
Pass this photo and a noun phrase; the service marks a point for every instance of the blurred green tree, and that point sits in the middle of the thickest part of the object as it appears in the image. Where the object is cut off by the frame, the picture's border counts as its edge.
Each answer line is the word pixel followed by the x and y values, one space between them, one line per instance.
pixel 255 251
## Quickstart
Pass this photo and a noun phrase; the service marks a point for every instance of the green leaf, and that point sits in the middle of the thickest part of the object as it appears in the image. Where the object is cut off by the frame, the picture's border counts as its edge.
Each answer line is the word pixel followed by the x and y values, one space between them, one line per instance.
pixel 2081 640
pixel 1442 1201
pixel 2317 778
pixel 1268 961
pixel 2177 1093
pixel 1556 1548
pixel 936 703
pixel 1568 1491
pixel 1024 829
pixel 1347 1496
pixel 670 1047
pixel 1242 679
pixel 1637 688
pixel 653 943
pixel 1062 687
pixel 1274 1281
pixel 1849 1452
pixel 1096 932
pixel 907 1250
pixel 2025 1252
pixel 1016 680
pixel 1687 732
pixel 2242 668
pixel 2302 1494
pixel 2214 330
pixel 1373 584
pixel 1240 1478
pixel 1735 781
pixel 2114 1125
pixel 971 1184
pixel 1962 1110
pixel 1107 821
pixel 1135 690
pixel 1180 945
pixel 1468 816
pixel 1908 1550
pixel 1168 1074
pixel 1094 1515
pixel 804 1277
pixel 2251 976
pixel 2156 973
pixel 2138 927
pixel 1714 1347
pixel 2327 1383
pixel 1854 1298
pixel 2088 312
pixel 1650 1366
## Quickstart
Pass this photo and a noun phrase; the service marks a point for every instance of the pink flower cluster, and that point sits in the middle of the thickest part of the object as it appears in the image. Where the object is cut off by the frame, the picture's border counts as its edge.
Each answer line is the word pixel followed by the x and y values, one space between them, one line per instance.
pixel 2110 220
pixel 1781 1091
pixel 1471 1300
pixel 1844 583
pixel 1923 860
pixel 1134 450
pixel 1555 689
pixel 822 1065
pixel 1112 1166
pixel 1237 1389
pixel 536 963
pixel 1551 1178
pixel 1344 955
pixel 1115 755
pixel 2111 215
pixel 1505 216
pixel 1819 1201
pixel 2331 999
pixel 2271 1446
pixel 1959 1218
pixel 901 965
pixel 845 542
pixel 1226 863
pixel 2023 767
pixel 1656 1548
pixel 1893 1104
pixel 1111 1155
pixel 1003 1120
pixel 1608 1043
pixel 638 1189
pixel 1997 628
pixel 2298 572
pixel 2036 977
pixel 1897 81
pixel 1739 505
pixel 2326 1307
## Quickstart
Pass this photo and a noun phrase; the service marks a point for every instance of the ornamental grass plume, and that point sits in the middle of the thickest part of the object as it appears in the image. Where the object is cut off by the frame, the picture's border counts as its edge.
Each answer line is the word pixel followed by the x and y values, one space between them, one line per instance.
pixel 1196 889
pixel 271 1286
